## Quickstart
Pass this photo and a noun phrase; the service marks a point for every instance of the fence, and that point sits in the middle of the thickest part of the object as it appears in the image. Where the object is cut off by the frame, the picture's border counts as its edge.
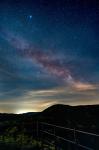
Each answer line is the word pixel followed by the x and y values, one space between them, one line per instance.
pixel 62 138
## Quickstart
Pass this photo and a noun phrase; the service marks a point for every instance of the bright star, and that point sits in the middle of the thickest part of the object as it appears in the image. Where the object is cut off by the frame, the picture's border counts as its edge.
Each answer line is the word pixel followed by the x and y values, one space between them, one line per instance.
pixel 30 16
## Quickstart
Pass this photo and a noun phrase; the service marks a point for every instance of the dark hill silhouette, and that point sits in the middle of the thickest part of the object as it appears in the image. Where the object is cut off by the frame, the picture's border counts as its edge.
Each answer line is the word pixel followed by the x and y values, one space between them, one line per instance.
pixel 80 117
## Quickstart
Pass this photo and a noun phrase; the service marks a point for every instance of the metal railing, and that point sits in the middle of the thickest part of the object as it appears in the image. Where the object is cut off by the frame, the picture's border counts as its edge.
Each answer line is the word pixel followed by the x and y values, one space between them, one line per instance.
pixel 67 138
pixel 62 138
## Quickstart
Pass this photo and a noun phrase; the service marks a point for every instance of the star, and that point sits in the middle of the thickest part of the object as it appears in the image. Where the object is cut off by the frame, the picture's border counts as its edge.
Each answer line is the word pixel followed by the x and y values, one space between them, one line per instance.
pixel 30 16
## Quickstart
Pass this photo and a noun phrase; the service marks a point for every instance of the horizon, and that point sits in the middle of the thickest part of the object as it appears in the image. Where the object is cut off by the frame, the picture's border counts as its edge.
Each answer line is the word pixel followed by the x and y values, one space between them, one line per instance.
pixel 26 112
pixel 49 54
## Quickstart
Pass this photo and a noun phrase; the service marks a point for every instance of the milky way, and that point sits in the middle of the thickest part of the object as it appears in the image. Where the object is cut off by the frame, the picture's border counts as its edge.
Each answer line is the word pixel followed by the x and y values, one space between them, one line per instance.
pixel 45 60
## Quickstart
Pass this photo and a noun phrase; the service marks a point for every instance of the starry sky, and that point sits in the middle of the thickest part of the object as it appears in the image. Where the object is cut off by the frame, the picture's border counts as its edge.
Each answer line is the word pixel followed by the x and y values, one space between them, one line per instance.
pixel 49 54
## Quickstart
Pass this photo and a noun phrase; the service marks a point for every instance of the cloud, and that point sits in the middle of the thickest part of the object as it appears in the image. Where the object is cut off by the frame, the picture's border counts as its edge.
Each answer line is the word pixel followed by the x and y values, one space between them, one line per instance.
pixel 83 86
pixel 38 100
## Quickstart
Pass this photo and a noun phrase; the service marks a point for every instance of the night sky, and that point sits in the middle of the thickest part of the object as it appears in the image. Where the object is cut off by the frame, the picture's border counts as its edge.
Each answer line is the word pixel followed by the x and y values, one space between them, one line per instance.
pixel 49 54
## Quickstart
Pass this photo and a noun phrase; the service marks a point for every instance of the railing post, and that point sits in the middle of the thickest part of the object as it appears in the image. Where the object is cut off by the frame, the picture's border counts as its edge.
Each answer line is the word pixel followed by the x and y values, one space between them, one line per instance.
pixel 76 145
pixel 55 139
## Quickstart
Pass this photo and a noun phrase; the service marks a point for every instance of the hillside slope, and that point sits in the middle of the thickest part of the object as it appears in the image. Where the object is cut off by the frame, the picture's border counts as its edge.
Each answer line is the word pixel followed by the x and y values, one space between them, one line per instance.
pixel 80 117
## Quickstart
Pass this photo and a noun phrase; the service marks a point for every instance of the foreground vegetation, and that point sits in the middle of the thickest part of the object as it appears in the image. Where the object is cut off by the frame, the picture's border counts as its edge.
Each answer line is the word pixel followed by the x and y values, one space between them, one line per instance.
pixel 15 141
pixel 12 139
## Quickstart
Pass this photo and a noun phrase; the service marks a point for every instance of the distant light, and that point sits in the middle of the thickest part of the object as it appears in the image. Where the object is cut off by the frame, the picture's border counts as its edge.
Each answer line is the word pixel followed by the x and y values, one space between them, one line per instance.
pixel 22 111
